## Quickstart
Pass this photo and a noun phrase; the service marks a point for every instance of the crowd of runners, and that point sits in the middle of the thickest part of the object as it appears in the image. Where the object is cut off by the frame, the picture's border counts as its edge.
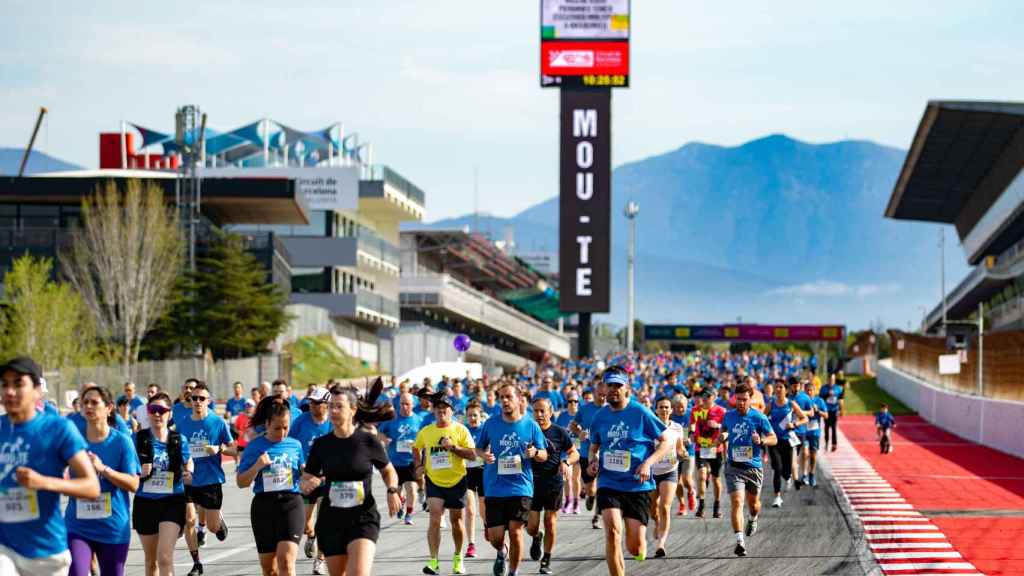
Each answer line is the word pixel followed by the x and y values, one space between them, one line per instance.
pixel 630 440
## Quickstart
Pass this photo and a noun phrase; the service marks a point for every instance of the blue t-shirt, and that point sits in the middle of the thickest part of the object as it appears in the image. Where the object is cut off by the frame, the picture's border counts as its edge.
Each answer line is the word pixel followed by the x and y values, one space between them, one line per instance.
pixel 563 419
pixel 741 450
pixel 627 437
pixel 133 404
pixel 81 424
pixel 553 396
pixel 180 412
pixel 197 434
pixel 305 430
pixel 832 395
pixel 814 421
pixel 584 417
pixel 234 406
pixel 162 463
pixel 511 473
pixel 402 432
pixel 780 417
pixel 287 459
pixel 885 420
pixel 109 520
pixel 803 400
pixel 45 444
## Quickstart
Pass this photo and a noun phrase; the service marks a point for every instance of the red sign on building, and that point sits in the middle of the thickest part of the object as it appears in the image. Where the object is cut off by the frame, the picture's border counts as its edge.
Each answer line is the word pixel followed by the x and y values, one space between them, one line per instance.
pixel 586 63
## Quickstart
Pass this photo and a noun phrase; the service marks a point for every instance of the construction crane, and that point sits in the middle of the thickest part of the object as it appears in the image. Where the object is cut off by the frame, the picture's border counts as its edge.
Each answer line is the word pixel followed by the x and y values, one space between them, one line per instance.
pixel 32 141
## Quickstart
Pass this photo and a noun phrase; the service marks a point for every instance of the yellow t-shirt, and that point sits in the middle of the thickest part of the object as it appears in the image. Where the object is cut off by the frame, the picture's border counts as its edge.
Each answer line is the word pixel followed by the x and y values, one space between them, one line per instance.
pixel 444 468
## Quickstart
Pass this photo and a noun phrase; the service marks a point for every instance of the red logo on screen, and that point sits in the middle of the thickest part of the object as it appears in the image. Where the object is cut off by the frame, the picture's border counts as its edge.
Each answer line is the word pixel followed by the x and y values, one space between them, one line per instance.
pixel 579 58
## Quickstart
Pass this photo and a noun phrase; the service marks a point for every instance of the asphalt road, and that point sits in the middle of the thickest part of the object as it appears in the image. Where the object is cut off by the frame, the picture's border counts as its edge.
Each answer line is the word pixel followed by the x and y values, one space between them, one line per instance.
pixel 812 534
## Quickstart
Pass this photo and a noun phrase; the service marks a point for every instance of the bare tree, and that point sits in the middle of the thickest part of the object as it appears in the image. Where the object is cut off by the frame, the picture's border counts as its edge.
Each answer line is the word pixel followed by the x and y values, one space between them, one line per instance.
pixel 123 260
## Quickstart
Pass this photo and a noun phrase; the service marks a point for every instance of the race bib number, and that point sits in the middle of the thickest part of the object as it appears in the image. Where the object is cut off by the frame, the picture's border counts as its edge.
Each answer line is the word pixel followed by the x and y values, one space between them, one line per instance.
pixel 742 453
pixel 794 440
pixel 708 452
pixel 161 482
pixel 616 460
pixel 812 424
pixel 404 446
pixel 277 479
pixel 510 465
pixel 347 494
pixel 440 460
pixel 18 505
pixel 832 400
pixel 97 509
pixel 197 449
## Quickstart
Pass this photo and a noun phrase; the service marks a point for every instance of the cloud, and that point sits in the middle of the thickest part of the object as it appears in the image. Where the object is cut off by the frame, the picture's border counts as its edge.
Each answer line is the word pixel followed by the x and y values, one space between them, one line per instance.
pixel 826 288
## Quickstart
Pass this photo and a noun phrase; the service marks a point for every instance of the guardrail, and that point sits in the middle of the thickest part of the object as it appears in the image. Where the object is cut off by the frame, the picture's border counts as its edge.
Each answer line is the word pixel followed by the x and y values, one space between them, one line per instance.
pixel 382 173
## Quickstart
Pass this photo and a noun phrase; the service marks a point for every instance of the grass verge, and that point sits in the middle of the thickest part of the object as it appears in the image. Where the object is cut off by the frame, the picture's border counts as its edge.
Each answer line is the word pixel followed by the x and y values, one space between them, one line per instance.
pixel 863 396
pixel 316 359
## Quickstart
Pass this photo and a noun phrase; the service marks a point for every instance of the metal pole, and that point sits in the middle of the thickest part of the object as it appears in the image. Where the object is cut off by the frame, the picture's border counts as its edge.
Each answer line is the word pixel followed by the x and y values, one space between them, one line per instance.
pixel 981 348
pixel 942 273
pixel 632 209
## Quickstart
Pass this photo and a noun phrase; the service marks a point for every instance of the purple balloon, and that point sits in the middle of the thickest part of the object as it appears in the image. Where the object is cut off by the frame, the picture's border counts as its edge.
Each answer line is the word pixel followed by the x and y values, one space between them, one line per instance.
pixel 462 342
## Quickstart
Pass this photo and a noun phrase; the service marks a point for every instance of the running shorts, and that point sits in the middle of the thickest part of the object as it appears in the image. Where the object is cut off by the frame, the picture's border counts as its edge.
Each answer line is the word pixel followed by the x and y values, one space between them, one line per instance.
pixel 635 505
pixel 713 464
pixel 209 497
pixel 454 498
pixel 336 529
pixel 503 511
pixel 475 480
pixel 148 513
pixel 812 442
pixel 743 478
pixel 315 495
pixel 276 517
pixel 546 496
pixel 671 476
pixel 405 474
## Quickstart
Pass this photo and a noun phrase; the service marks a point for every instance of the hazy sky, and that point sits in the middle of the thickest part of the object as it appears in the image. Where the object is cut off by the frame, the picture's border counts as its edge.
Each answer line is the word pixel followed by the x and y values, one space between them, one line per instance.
pixel 441 87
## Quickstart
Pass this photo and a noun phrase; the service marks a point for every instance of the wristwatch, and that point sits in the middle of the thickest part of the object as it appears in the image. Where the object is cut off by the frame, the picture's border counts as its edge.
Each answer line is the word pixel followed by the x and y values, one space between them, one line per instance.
pixel 392 489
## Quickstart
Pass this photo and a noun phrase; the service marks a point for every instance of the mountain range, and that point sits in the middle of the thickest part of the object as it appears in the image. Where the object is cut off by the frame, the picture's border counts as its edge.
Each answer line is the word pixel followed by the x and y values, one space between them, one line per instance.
pixel 775 230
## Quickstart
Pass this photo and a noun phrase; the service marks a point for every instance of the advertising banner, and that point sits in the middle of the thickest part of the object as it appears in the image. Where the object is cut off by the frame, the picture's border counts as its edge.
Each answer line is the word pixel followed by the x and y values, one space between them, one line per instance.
pixel 584 19
pixel 325 187
pixel 585 200
pixel 744 332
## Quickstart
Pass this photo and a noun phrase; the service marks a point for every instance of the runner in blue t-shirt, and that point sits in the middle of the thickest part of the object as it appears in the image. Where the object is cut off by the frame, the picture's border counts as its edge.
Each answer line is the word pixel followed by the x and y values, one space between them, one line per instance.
pixel 273 464
pixel 747 432
pixel 508 443
pixel 786 416
pixel 804 401
pixel 307 428
pixel 812 434
pixel 884 422
pixel 102 527
pixel 626 440
pixel 833 394
pixel 398 436
pixel 573 485
pixel 580 426
pixel 474 477
pixel 236 404
pixel 35 448
pixel 207 437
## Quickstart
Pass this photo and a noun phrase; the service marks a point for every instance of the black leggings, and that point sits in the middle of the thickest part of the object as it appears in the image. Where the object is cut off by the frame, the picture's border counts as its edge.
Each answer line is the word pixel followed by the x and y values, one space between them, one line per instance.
pixel 830 428
pixel 782 463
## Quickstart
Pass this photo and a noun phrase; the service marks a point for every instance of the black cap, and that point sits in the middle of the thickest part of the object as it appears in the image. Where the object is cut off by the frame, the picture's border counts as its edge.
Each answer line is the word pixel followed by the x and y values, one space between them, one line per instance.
pixel 24 365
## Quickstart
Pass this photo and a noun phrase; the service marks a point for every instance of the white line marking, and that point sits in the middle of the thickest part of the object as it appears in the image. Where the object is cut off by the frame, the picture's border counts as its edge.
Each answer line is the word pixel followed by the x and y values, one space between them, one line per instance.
pixel 859 507
pixel 891 519
pixel 898 527
pixel 915 555
pixel 211 560
pixel 909 545
pixel 905 535
pixel 901 566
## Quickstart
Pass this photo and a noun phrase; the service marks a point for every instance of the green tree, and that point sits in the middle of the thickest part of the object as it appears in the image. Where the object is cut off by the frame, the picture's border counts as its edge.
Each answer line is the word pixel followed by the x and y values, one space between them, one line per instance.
pixel 239 311
pixel 174 334
pixel 44 319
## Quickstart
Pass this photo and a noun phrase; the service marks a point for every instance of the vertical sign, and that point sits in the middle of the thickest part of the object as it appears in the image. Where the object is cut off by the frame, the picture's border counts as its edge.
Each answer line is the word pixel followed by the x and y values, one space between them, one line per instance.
pixel 585 200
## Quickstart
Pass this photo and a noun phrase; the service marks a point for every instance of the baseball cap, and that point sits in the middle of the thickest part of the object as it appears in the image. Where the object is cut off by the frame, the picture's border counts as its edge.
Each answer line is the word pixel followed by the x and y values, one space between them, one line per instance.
pixel 319 394
pixel 24 365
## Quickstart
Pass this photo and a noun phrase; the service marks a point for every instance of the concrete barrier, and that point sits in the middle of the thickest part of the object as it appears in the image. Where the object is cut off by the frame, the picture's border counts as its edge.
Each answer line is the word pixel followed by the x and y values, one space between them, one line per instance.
pixel 992 423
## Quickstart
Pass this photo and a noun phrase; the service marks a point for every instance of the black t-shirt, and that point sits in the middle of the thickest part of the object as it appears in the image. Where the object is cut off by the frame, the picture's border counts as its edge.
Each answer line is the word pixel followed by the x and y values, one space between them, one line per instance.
pixel 558 443
pixel 344 461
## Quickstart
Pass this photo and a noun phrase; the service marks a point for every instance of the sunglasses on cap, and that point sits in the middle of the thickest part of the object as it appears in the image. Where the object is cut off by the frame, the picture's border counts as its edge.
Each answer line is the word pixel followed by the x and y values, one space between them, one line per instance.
pixel 157 410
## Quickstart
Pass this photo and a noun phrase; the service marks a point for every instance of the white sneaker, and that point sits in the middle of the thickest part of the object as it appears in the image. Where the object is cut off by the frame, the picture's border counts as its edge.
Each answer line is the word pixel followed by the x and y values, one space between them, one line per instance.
pixel 444 522
pixel 318 566
pixel 777 503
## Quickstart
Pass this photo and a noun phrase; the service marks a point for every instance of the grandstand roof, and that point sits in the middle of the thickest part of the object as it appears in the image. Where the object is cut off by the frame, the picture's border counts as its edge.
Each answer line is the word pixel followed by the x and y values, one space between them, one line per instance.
pixel 963 157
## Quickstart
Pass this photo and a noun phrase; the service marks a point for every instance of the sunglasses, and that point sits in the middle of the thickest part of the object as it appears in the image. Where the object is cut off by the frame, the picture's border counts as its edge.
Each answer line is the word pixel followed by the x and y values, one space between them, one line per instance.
pixel 157 410
pixel 572 401
pixel 200 398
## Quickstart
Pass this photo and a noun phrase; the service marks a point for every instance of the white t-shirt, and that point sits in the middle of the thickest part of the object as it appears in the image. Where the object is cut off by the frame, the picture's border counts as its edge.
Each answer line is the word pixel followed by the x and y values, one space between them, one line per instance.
pixel 142 417
pixel 667 464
